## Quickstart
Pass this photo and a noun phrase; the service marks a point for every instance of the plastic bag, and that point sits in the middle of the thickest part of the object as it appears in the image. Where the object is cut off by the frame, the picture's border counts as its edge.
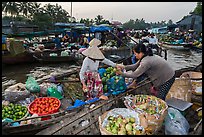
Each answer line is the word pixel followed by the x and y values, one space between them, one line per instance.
pixel 16 92
pixel 101 71
pixel 64 53
pixel 116 85
pixel 53 92
pixel 175 123
pixel 32 85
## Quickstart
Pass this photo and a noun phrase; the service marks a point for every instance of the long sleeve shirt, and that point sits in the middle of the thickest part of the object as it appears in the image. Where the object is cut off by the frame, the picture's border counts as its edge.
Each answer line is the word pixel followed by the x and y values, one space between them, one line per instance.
pixel 153 40
pixel 157 69
pixel 90 65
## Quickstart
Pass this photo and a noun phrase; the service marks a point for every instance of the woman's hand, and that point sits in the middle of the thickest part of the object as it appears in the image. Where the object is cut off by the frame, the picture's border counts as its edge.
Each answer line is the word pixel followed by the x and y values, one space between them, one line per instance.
pixel 118 71
pixel 85 89
pixel 120 66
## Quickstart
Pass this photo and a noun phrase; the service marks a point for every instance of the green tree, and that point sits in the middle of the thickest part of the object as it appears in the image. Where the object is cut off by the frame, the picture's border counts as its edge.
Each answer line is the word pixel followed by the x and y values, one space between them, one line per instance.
pixel 170 22
pixel 11 8
pixel 98 19
pixel 198 9
pixel 25 8
pixel 43 21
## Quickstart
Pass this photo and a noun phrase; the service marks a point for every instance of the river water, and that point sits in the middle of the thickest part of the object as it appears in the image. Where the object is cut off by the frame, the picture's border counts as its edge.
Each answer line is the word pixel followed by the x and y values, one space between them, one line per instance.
pixel 18 73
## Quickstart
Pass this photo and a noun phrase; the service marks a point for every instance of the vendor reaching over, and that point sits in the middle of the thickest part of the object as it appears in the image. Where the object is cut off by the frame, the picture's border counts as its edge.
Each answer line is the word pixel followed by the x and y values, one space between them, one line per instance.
pixel 155 67
pixel 89 75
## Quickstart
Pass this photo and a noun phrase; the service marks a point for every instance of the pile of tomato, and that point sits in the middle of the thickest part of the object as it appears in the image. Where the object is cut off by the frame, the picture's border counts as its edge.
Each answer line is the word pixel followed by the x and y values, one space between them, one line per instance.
pixel 44 105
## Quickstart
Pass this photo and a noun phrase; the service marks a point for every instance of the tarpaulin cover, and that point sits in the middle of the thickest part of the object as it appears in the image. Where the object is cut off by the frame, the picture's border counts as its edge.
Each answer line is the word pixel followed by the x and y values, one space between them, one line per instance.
pixel 99 28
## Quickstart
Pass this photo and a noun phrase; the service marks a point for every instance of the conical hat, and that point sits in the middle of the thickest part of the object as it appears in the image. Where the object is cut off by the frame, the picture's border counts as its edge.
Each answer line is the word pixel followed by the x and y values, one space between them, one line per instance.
pixel 93 52
pixel 94 42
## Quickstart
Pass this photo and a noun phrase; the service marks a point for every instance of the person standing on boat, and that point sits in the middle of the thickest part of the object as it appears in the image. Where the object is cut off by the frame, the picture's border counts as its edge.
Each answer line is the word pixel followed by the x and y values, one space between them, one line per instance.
pixel 120 37
pixel 57 41
pixel 155 67
pixel 153 43
pixel 88 74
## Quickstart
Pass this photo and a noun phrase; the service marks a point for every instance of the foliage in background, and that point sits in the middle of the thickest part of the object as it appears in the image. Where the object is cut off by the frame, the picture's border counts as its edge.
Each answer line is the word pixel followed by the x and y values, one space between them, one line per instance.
pixel 44 17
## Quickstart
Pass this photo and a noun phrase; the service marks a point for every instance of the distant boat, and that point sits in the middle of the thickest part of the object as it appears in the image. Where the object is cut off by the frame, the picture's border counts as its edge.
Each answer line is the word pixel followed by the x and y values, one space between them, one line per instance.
pixel 181 46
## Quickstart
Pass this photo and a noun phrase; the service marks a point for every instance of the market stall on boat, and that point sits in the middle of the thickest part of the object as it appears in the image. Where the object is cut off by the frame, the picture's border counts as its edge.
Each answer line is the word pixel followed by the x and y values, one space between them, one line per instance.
pixel 78 115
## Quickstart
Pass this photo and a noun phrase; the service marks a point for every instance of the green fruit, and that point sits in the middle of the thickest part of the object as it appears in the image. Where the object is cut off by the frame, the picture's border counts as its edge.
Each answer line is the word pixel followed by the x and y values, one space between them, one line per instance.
pixel 106 88
pixel 108 76
pixel 104 80
pixel 105 74
pixel 112 74
pixel 132 120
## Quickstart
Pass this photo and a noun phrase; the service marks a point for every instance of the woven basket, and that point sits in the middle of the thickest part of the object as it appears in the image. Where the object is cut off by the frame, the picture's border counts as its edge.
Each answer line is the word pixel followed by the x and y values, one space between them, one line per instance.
pixel 155 123
pixel 100 121
pixel 102 129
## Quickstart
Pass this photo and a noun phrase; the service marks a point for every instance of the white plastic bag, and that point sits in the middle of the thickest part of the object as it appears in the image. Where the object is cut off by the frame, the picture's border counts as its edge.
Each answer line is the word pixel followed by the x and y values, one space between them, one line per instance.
pixel 176 123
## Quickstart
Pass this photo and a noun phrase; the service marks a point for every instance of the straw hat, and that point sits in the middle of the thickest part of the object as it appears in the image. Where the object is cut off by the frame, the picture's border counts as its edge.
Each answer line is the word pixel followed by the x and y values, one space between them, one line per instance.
pixel 93 52
pixel 94 42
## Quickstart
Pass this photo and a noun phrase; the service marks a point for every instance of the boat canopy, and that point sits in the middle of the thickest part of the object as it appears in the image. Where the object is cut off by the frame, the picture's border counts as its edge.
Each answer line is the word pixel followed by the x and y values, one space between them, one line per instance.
pixel 100 28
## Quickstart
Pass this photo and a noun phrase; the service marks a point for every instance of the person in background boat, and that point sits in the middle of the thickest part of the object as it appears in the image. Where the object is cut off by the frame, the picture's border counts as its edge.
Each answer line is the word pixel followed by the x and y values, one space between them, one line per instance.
pixel 200 38
pixel 90 66
pixel 57 41
pixel 157 69
pixel 66 38
pixel 120 36
pixel 84 42
pixel 190 37
pixel 153 43
pixel 98 35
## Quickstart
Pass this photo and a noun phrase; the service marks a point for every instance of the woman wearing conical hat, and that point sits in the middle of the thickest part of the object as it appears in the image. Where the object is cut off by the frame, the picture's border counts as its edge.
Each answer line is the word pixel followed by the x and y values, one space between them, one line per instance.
pixel 89 70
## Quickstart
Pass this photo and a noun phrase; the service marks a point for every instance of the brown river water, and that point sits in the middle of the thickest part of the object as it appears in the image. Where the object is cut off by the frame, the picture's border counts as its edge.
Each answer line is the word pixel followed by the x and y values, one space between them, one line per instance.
pixel 19 73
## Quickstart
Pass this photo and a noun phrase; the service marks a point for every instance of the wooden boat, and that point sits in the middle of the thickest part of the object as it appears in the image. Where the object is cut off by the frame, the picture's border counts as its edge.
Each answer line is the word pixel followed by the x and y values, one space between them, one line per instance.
pixel 10 59
pixel 72 125
pixel 183 46
pixel 45 56
pixel 84 120
pixel 196 48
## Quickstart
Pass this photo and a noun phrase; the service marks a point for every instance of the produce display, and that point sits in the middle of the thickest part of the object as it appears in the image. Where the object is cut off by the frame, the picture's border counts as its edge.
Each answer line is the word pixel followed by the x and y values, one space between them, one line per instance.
pixel 146 103
pixel 44 105
pixel 123 126
pixel 14 111
pixel 112 83
pixel 108 73
pixel 151 109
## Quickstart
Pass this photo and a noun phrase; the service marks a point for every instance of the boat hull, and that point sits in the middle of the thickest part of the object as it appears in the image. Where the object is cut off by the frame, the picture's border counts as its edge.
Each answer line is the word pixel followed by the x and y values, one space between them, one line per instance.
pixel 176 46
pixel 17 59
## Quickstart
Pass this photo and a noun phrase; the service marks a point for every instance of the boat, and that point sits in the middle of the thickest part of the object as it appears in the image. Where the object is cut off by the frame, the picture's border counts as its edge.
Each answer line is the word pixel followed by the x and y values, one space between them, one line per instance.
pixel 55 56
pixel 74 125
pixel 196 48
pixel 84 119
pixel 181 46
pixel 10 59
pixel 13 52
